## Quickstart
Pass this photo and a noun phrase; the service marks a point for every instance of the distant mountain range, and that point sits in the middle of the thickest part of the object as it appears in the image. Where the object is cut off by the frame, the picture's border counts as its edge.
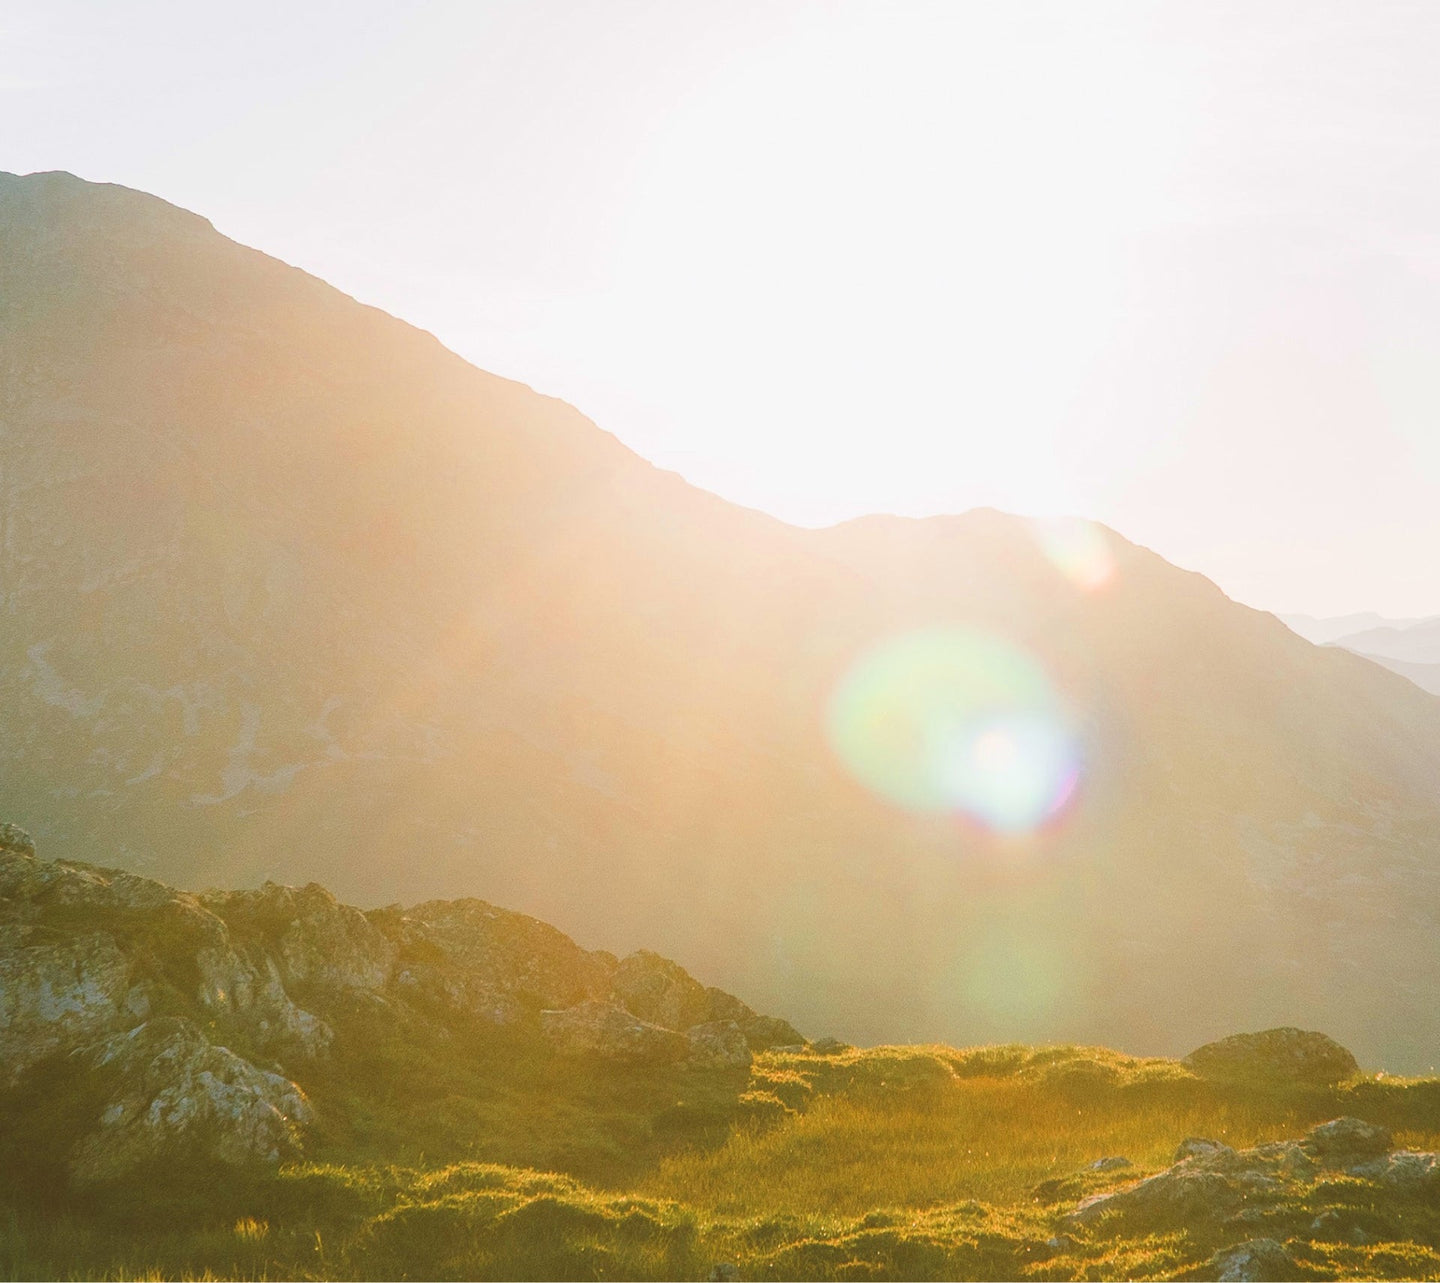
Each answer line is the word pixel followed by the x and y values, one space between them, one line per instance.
pixel 291 591
pixel 1410 647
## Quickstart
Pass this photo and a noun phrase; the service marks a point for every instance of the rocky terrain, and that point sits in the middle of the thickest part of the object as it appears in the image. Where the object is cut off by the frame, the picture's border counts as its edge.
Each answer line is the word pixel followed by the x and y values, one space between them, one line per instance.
pixel 186 1019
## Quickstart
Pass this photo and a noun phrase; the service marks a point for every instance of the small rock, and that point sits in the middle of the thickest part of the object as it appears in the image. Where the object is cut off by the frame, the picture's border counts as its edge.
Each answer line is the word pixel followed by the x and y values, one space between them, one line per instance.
pixel 1199 1147
pixel 723 1272
pixel 1060 1243
pixel 829 1047
pixel 1259 1260
pixel 1111 1164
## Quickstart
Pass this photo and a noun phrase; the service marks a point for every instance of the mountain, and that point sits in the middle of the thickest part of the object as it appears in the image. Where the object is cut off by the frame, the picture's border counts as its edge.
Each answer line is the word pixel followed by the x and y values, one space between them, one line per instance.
pixel 1333 627
pixel 1413 643
pixel 290 591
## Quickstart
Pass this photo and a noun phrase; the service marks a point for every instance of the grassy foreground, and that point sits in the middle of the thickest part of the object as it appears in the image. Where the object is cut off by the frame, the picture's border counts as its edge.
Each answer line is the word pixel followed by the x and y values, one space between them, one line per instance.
pixel 898 1162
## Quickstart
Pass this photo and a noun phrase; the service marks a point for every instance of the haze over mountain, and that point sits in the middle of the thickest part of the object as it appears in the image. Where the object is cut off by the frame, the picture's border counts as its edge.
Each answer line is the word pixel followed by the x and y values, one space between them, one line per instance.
pixel 1410 647
pixel 291 591
pixel 1334 627
pixel 1417 642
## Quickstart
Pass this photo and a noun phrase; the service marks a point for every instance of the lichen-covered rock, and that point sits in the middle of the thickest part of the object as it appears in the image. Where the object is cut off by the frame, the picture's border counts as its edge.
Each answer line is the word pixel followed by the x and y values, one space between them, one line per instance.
pixel 1254 1261
pixel 176 1097
pixel 473 958
pixel 250 993
pixel 1406 1170
pixel 1274 1055
pixel 1212 1187
pixel 608 1032
pixel 1199 1146
pixel 40 885
pixel 316 941
pixel 57 997
pixel 1210 1184
pixel 718 1044
pixel 1343 1141
pixel 664 993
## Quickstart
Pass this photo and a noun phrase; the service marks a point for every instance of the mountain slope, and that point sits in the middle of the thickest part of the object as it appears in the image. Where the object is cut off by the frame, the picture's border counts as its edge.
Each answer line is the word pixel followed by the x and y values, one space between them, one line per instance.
pixel 291 591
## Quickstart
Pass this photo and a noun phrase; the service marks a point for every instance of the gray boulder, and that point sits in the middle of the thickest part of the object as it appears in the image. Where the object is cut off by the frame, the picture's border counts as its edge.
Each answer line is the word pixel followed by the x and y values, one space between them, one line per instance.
pixel 1344 1141
pixel 1277 1056
pixel 608 1032
pixel 176 1097
pixel 1405 1171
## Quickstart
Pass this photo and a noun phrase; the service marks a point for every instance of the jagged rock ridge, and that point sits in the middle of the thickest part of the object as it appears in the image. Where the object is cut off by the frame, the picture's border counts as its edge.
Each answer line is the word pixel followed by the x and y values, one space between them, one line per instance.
pixel 139 987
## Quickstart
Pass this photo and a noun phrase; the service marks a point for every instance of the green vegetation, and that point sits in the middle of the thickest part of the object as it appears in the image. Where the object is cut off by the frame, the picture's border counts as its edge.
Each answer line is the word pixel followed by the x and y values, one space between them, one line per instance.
pixel 485 1158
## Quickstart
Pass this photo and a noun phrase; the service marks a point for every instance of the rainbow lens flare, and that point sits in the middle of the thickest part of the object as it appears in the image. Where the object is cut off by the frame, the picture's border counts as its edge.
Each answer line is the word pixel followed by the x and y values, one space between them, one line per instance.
pixel 1079 549
pixel 952 719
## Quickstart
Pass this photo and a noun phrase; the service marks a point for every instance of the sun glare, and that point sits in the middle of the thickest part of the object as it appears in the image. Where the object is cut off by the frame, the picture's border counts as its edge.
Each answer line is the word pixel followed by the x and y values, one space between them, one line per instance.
pixel 889 271
pixel 955 720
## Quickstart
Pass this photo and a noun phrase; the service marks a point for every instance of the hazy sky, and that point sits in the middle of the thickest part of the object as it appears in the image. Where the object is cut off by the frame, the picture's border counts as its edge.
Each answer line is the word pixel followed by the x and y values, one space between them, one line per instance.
pixel 1172 266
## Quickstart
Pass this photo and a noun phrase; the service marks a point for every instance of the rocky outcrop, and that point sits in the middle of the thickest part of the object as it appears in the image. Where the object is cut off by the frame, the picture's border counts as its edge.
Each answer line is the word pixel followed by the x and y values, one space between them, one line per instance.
pixel 718 1044
pixel 664 993
pixel 1212 1184
pixel 476 959
pixel 609 1032
pixel 63 983
pixel 56 997
pixel 315 941
pixel 88 955
pixel 176 1096
pixel 1274 1055
pixel 14 838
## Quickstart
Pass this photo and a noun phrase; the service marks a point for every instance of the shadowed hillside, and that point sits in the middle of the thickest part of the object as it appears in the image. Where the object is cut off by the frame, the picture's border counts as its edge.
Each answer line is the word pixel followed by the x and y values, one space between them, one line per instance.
pixel 291 591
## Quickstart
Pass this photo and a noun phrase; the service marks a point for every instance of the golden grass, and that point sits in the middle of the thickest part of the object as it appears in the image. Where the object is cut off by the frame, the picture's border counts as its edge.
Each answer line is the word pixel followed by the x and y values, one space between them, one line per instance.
pixel 979 1138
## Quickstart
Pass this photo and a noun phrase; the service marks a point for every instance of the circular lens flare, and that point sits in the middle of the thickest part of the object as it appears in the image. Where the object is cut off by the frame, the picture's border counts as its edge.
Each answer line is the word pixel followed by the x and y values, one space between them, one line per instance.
pixel 952 719
pixel 1079 549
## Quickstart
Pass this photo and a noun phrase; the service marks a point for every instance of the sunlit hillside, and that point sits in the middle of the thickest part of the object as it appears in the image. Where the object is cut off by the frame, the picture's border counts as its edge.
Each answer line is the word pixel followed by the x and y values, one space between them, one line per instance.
pixel 271 1084
pixel 292 591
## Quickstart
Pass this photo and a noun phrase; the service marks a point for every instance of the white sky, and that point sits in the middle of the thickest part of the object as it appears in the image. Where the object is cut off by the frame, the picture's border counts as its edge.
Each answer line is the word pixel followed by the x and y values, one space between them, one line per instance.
pixel 1172 266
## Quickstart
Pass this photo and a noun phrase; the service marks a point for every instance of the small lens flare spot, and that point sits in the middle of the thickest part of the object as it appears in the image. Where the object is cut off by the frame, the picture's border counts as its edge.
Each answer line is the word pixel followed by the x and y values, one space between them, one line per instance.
pixel 957 720
pixel 1079 549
